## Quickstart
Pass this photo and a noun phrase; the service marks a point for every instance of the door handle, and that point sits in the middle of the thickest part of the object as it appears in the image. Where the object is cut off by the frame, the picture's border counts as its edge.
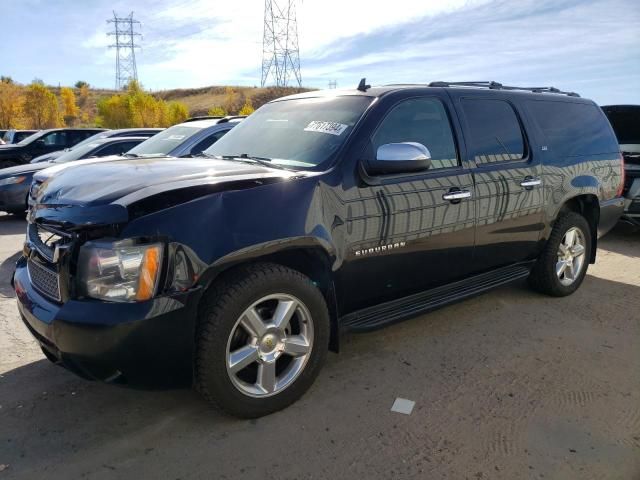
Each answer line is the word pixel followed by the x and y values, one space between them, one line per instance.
pixel 530 182
pixel 456 195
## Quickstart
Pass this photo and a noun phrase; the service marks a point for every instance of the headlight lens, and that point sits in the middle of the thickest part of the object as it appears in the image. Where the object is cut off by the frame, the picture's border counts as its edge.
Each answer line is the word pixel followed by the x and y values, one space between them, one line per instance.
pixel 11 180
pixel 121 271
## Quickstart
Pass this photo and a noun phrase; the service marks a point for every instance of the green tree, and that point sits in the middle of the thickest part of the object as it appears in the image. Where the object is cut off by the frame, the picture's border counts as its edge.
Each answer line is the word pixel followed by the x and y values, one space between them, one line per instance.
pixel 113 112
pixel 81 83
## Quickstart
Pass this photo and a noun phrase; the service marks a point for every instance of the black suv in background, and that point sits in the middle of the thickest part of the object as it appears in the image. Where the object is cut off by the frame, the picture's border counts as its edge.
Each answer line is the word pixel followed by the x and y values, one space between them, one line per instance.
pixel 625 120
pixel 320 212
pixel 42 142
pixel 121 132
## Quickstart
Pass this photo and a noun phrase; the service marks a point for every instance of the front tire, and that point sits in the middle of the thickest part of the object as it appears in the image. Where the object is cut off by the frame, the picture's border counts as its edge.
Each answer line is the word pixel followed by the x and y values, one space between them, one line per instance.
pixel 262 339
pixel 562 265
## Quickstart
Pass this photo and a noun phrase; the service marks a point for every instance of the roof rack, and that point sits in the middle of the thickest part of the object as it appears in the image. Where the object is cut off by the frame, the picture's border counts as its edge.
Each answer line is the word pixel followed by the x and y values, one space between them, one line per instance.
pixel 498 86
pixel 228 118
pixel 203 117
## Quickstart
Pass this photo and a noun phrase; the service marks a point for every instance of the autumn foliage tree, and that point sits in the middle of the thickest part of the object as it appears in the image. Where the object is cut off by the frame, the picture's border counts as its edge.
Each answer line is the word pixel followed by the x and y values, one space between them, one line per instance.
pixel 11 103
pixel 41 107
pixel 137 108
pixel 247 108
pixel 70 110
pixel 217 112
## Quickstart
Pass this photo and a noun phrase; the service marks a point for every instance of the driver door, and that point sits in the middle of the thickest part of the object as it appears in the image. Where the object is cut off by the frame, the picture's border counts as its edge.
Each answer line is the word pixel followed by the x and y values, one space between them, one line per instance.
pixel 407 233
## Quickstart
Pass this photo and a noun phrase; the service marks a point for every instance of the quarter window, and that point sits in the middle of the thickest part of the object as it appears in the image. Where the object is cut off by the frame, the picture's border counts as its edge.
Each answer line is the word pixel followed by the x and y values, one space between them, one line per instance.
pixel 422 120
pixel 574 129
pixel 495 134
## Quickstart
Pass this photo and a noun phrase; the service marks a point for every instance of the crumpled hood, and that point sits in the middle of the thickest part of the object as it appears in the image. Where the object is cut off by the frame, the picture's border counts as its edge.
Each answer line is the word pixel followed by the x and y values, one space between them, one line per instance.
pixel 125 181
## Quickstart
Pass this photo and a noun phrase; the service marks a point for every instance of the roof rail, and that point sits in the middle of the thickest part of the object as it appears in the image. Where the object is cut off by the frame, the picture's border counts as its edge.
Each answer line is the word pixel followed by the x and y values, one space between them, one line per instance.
pixel 228 118
pixel 498 86
pixel 203 117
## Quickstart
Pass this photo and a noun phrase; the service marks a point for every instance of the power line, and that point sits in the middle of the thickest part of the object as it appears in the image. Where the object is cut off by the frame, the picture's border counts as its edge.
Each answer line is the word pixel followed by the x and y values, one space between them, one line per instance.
pixel 124 33
pixel 280 52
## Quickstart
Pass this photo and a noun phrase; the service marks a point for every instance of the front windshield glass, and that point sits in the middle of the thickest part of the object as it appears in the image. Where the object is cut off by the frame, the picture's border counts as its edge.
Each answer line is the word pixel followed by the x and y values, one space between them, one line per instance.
pixel 164 142
pixel 77 153
pixel 299 133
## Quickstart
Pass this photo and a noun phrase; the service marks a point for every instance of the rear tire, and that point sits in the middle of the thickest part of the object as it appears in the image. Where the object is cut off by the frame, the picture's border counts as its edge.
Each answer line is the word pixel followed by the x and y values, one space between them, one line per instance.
pixel 562 265
pixel 240 313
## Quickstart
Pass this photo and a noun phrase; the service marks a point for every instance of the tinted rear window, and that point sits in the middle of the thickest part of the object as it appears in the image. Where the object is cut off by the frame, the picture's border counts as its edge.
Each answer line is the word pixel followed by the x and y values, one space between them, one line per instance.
pixel 574 129
pixel 494 130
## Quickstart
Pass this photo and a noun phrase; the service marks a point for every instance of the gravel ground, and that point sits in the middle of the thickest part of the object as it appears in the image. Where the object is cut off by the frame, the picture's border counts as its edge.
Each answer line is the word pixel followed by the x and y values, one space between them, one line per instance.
pixel 508 385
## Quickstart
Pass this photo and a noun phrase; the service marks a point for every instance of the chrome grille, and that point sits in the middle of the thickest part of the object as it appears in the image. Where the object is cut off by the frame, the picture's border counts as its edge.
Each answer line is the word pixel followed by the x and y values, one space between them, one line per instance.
pixel 44 280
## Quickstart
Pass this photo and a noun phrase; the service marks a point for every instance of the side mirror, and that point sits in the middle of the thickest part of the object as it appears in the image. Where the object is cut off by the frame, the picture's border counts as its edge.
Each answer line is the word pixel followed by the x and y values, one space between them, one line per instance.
pixel 40 142
pixel 406 157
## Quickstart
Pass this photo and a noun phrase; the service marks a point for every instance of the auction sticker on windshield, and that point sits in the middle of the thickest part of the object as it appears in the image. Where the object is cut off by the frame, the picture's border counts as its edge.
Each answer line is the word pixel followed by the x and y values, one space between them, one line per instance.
pixel 332 128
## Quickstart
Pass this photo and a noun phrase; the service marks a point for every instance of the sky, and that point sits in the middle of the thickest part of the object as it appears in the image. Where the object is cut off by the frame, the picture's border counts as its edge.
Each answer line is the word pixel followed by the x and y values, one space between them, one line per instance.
pixel 589 46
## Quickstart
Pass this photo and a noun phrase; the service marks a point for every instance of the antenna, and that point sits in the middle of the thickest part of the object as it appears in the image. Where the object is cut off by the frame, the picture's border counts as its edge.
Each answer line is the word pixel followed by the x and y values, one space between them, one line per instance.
pixel 362 86
pixel 125 46
pixel 280 52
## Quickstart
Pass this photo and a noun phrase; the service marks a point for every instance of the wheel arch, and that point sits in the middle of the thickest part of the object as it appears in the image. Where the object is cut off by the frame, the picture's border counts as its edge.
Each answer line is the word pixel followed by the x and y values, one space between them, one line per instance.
pixel 588 206
pixel 312 259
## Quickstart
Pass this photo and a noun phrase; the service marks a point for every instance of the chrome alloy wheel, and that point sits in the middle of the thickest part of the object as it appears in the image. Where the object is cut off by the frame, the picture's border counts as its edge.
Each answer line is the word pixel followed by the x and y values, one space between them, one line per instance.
pixel 571 256
pixel 269 345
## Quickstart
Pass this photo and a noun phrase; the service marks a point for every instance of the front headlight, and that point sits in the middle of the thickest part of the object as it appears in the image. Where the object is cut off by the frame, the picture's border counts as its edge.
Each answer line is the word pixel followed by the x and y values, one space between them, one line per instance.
pixel 120 271
pixel 11 180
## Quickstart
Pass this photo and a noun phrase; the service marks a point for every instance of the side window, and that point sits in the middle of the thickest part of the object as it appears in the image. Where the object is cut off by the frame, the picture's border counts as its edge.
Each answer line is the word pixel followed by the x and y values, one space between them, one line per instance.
pixel 494 129
pixel 573 129
pixel 56 139
pixel 114 149
pixel 78 135
pixel 422 120
pixel 202 145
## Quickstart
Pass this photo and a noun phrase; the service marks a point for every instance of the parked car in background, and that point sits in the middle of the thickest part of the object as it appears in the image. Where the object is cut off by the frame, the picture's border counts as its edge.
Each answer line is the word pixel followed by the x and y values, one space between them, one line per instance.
pixel 322 211
pixel 181 140
pixel 122 132
pixel 16 181
pixel 42 142
pixel 186 139
pixel 625 120
pixel 11 137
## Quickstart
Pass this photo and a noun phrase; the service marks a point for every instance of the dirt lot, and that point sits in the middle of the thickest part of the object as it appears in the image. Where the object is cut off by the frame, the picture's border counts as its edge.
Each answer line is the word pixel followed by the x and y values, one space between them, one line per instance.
pixel 508 385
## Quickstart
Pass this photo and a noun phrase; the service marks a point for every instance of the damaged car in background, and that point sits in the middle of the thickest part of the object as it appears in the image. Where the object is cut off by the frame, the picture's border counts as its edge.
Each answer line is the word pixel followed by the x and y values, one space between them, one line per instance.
pixel 625 120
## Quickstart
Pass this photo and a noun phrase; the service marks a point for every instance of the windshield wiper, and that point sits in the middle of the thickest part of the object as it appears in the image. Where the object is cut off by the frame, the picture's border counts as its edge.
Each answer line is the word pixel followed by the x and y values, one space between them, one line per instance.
pixel 267 162
pixel 131 155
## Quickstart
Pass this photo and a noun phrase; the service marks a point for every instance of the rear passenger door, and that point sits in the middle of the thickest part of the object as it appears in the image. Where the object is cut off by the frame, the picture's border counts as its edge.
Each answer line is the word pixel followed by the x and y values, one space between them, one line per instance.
pixel 508 184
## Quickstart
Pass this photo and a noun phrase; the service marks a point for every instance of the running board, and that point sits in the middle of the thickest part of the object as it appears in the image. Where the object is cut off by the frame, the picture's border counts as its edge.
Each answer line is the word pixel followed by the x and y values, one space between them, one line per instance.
pixel 378 316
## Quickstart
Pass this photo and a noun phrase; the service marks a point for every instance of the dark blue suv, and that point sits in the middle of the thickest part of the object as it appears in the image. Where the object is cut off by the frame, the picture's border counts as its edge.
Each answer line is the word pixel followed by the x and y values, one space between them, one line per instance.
pixel 321 212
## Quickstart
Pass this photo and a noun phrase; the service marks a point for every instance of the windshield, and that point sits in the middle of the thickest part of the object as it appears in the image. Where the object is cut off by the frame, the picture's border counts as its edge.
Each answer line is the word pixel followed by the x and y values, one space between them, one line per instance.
pixel 77 153
pixel 626 125
pixel 300 133
pixel 164 142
